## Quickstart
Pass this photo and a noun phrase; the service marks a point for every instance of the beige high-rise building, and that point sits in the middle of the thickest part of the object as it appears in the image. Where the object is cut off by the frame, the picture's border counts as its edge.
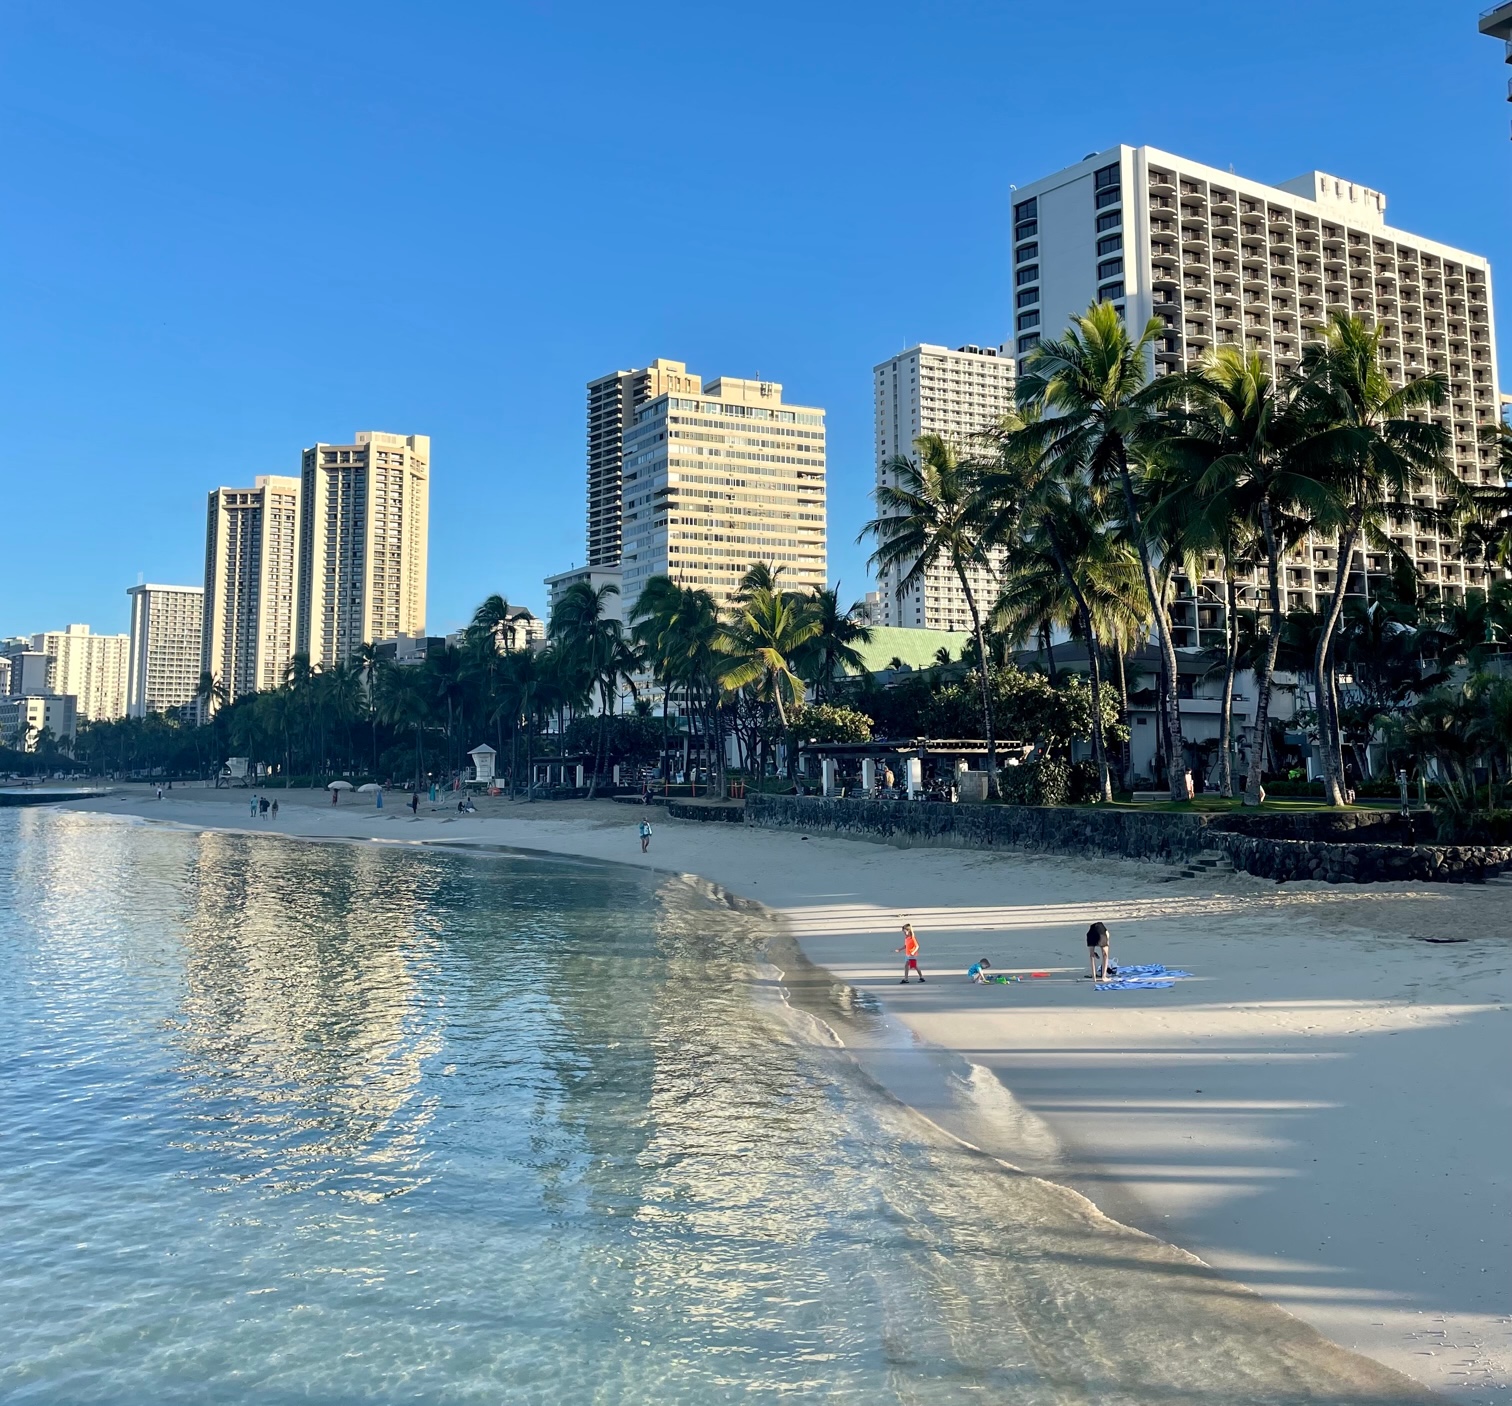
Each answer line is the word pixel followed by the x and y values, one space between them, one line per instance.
pixel 1221 260
pixel 90 668
pixel 718 479
pixel 612 402
pixel 364 519
pixel 163 665
pixel 251 584
pixel 958 394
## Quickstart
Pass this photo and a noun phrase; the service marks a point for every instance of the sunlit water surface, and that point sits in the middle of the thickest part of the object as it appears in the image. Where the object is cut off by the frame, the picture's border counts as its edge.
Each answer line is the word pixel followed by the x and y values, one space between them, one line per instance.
pixel 292 1122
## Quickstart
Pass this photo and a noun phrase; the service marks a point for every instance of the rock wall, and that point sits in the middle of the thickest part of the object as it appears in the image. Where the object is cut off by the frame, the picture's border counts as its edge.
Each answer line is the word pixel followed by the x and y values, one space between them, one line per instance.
pixel 1257 844
pixel 1058 830
pixel 1363 863
pixel 732 812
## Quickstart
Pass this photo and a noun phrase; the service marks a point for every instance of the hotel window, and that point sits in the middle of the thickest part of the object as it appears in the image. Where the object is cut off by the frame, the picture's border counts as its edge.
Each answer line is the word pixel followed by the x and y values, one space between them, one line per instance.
pixel 1026 252
pixel 1110 292
pixel 1026 209
pixel 1030 274
pixel 1028 343
pixel 1028 298
pixel 1113 244
pixel 1028 319
pixel 1111 221
pixel 1110 268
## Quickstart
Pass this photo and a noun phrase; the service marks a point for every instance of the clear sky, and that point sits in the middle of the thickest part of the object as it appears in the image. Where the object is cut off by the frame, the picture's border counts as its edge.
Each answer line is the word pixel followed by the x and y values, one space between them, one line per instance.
pixel 230 231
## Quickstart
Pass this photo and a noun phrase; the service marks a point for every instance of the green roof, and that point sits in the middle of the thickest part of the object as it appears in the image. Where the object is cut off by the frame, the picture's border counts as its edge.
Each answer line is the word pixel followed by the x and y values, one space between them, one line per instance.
pixel 916 648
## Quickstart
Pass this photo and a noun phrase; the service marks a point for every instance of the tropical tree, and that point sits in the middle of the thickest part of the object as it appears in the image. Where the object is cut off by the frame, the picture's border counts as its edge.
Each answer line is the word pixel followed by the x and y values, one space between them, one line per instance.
pixel 763 637
pixel 929 514
pixel 1369 445
pixel 832 651
pixel 1100 416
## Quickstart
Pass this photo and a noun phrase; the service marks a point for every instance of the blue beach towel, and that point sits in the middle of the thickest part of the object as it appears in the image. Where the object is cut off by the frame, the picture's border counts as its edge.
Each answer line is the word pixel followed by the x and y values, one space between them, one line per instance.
pixel 1152 977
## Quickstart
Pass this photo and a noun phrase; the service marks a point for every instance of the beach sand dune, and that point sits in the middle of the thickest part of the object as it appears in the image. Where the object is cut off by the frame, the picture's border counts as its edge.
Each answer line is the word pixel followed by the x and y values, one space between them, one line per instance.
pixel 1321 1113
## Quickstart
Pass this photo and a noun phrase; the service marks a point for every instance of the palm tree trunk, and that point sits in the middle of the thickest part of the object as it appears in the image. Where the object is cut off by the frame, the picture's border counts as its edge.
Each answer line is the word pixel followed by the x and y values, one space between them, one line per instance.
pixel 1172 710
pixel 1230 668
pixel 1123 698
pixel 1094 672
pixel 986 679
pixel 1328 743
pixel 1258 741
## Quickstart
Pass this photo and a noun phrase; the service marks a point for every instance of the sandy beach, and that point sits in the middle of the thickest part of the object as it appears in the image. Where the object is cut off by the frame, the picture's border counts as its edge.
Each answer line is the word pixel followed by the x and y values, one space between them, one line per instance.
pixel 1321 1112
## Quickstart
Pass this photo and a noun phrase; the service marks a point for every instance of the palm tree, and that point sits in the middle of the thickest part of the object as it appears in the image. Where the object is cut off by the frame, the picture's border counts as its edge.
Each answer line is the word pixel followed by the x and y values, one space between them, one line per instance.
pixel 762 638
pixel 405 700
pixel 1368 445
pixel 1044 513
pixel 370 664
pixel 928 514
pixel 492 618
pixel 210 694
pixel 833 648
pixel 1102 418
pixel 586 633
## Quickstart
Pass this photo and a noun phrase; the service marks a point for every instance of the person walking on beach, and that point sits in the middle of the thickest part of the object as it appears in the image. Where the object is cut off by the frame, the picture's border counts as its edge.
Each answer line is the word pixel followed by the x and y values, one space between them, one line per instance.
pixel 645 835
pixel 253 805
pixel 910 951
pixel 414 803
pixel 1097 951
pixel 275 810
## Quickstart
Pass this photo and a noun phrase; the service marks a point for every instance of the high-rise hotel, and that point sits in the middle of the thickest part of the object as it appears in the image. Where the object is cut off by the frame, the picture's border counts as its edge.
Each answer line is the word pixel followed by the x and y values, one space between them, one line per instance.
pixel 718 478
pixel 363 531
pixel 1221 260
pixel 958 394
pixel 163 666
pixel 251 585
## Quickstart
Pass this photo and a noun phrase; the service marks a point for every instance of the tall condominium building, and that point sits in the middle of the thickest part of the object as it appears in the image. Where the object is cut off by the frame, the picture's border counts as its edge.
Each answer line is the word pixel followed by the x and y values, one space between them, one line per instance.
pixel 1497 22
pixel 251 584
pixel 719 479
pixel 163 665
pixel 364 511
pixel 954 394
pixel 596 577
pixel 612 401
pixel 90 668
pixel 1221 260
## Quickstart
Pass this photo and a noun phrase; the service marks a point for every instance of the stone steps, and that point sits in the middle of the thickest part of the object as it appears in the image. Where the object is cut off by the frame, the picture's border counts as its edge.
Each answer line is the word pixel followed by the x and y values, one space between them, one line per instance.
pixel 1207 864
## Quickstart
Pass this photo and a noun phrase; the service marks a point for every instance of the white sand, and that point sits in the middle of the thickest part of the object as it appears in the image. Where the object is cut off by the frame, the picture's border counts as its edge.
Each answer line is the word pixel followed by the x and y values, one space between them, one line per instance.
pixel 1323 1112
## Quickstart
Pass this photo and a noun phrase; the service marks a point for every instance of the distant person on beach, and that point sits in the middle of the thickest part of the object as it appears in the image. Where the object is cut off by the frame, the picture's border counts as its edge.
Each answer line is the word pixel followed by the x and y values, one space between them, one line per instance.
pixel 1097 951
pixel 645 835
pixel 262 805
pixel 160 793
pixel 910 951
pixel 414 803
pixel 251 806
pixel 335 795
pixel 977 971
pixel 275 810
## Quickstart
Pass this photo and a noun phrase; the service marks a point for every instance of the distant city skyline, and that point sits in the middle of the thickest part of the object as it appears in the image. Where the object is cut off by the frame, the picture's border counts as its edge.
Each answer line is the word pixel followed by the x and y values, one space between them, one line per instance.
pixel 187 324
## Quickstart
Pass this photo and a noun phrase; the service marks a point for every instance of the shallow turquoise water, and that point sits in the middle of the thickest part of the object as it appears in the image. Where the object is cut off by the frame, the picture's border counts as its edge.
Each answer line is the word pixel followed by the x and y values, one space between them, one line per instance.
pixel 293 1122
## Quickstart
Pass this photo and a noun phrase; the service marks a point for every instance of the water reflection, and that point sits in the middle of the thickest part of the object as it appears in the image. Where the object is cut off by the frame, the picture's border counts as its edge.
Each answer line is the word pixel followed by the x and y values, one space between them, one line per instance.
pixel 348 1124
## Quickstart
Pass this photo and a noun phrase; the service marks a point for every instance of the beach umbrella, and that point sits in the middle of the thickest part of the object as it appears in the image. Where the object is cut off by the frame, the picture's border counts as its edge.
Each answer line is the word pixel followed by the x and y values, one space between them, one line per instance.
pixel 339 786
pixel 369 787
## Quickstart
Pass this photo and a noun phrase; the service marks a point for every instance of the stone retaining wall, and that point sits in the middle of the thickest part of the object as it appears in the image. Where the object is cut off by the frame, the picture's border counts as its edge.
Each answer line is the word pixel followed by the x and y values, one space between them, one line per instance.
pixel 732 812
pixel 1129 834
pixel 1172 837
pixel 1363 863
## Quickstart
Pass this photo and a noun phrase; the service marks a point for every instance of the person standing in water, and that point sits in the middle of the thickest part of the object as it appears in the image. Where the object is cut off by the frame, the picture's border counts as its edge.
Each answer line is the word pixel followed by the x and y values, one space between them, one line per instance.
pixel 1098 945
pixel 910 951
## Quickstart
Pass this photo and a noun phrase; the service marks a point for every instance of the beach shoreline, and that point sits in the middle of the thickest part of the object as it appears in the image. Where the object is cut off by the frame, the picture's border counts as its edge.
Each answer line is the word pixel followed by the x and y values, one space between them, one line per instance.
pixel 1319 1113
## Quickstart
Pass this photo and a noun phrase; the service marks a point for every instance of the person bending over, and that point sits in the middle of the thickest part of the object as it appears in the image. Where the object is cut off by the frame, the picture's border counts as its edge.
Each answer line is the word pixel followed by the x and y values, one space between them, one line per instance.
pixel 1097 951
pixel 977 971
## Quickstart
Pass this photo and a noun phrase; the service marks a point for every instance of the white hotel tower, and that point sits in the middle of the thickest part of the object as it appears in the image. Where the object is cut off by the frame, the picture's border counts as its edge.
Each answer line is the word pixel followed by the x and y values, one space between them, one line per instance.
pixel 1221 259
pixel 956 395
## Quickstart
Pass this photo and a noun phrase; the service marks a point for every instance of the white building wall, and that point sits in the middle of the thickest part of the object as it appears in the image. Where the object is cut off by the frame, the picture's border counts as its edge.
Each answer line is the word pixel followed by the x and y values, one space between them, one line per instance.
pixel 955 394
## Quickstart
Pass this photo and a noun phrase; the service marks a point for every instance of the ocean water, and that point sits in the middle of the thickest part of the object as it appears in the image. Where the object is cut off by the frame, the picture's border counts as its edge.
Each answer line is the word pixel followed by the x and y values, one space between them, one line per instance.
pixel 287 1122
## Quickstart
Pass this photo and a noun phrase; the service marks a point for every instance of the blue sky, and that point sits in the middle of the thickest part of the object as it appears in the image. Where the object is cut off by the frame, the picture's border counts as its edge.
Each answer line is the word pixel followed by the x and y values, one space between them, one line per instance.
pixel 227 232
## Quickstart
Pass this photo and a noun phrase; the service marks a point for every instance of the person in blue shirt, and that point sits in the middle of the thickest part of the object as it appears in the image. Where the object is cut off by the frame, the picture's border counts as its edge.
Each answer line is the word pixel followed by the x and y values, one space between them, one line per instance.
pixel 977 971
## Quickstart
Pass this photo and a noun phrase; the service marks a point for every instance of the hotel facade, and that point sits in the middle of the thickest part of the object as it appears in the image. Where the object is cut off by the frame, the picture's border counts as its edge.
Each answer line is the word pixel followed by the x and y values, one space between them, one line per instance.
pixel 718 478
pixel 90 668
pixel 163 667
pixel 251 584
pixel 1221 260
pixel 956 394
pixel 363 540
